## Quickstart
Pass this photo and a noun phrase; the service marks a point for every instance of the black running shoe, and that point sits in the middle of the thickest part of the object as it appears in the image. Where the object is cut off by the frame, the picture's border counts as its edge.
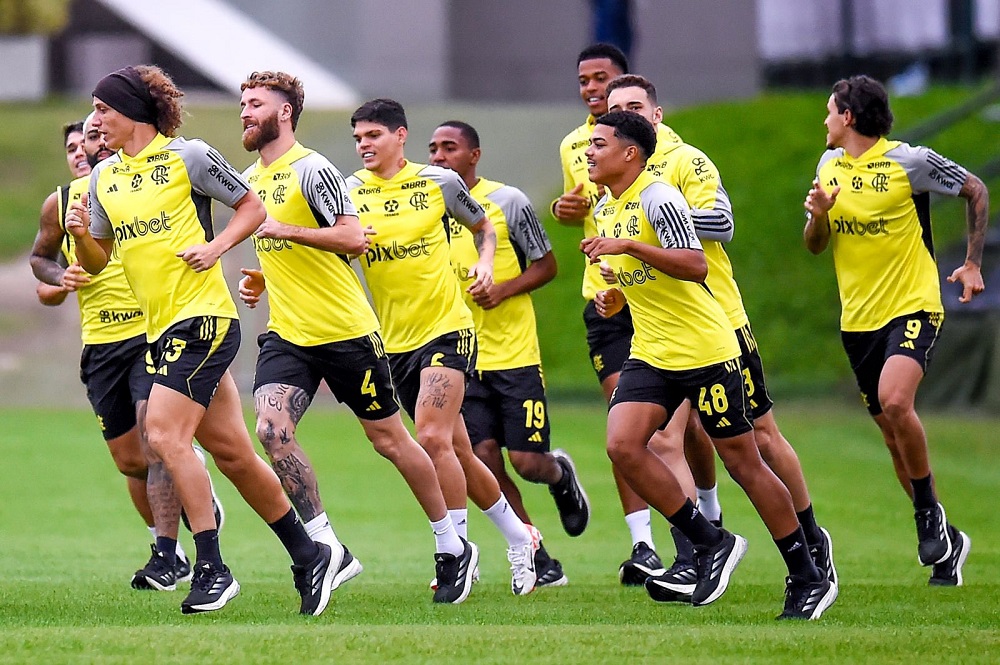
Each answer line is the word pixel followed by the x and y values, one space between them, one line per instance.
pixel 934 544
pixel 211 589
pixel 949 571
pixel 715 565
pixel 571 500
pixel 822 556
pixel 157 574
pixel 675 585
pixel 454 574
pixel 183 569
pixel 807 600
pixel 642 564
pixel 314 581
pixel 548 570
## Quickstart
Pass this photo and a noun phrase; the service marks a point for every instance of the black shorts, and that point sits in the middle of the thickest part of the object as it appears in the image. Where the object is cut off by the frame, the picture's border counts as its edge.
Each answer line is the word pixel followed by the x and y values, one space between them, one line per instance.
pixel 192 355
pixel 456 350
pixel 508 406
pixel 355 370
pixel 716 391
pixel 912 336
pixel 609 340
pixel 116 378
pixel 758 400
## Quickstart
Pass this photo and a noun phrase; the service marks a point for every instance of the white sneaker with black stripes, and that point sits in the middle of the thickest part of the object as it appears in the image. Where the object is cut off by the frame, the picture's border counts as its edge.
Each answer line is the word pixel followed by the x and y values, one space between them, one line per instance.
pixel 715 565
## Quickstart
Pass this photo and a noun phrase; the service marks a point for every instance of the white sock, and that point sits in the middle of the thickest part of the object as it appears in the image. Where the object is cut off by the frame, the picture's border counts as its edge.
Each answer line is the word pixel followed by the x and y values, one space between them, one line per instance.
pixel 641 528
pixel 460 519
pixel 152 532
pixel 708 503
pixel 507 521
pixel 319 529
pixel 446 540
pixel 180 552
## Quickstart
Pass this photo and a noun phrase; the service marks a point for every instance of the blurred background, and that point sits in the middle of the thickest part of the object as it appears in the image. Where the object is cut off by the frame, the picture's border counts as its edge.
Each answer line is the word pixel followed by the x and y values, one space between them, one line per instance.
pixel 747 82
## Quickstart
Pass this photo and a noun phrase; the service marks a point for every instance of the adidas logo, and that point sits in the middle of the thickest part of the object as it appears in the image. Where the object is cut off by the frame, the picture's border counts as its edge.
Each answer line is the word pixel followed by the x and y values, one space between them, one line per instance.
pixel 832 183
pixel 112 188
pixel 907 345
pixel 796 545
pixel 364 208
pixel 374 406
pixel 536 437
pixel 724 422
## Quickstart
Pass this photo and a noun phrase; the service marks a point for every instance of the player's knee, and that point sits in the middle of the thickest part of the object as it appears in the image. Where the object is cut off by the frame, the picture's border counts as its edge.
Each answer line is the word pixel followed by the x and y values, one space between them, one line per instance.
pixel 273 432
pixel 435 440
pixel 896 406
pixel 530 466
pixel 127 455
pixel 621 451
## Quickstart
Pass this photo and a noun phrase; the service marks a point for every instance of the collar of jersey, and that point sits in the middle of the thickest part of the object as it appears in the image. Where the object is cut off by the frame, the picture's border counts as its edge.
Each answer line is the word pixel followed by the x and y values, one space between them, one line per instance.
pixel 158 143
pixel 409 169
pixel 637 186
pixel 484 188
pixel 297 151
pixel 878 149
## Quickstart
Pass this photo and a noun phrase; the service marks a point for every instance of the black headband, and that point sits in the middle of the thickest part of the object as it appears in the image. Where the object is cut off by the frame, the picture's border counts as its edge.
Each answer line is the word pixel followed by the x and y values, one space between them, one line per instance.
pixel 127 93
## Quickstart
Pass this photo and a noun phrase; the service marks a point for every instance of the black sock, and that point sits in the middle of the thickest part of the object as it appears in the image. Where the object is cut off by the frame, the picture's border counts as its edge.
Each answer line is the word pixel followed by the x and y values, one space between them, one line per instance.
pixel 167 547
pixel 693 524
pixel 206 547
pixel 809 526
pixel 683 544
pixel 542 555
pixel 923 493
pixel 795 552
pixel 293 536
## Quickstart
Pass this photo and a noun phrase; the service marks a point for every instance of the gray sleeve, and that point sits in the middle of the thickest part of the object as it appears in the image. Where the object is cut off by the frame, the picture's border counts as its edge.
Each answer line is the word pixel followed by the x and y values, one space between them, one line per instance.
pixel 716 223
pixel 209 172
pixel 670 217
pixel 827 156
pixel 457 199
pixel 100 223
pixel 324 188
pixel 929 171
pixel 523 227
pixel 352 181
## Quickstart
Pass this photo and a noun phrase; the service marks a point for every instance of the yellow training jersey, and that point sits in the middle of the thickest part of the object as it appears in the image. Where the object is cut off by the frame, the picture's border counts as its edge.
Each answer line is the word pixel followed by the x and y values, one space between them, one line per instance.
pixel 108 310
pixel 574 168
pixel 155 205
pixel 678 324
pixel 880 229
pixel 506 335
pixel 407 267
pixel 691 171
pixel 315 296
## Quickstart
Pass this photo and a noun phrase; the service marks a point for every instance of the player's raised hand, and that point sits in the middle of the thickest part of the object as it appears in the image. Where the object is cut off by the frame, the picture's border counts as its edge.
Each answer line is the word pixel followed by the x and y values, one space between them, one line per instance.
pixel 818 201
pixel 200 257
pixel 75 277
pixel 608 273
pixel 970 276
pixel 78 218
pixel 609 302
pixel 270 228
pixel 481 275
pixel 597 246
pixel 251 286
pixel 572 206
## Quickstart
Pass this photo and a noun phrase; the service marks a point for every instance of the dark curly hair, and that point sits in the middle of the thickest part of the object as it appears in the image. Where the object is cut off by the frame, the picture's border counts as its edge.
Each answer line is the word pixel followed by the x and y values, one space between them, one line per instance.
pixel 868 101
pixel 169 109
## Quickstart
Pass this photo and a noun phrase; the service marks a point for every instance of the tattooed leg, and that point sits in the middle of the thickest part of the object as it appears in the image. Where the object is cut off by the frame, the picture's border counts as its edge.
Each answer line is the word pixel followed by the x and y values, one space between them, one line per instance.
pixel 279 408
pixel 438 402
pixel 164 503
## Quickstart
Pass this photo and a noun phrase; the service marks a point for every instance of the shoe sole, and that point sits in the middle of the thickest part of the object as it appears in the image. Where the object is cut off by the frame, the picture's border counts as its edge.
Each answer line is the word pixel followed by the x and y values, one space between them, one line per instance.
pixel 473 565
pixel 231 592
pixel 947 537
pixel 825 602
pixel 739 550
pixel 353 569
pixel 832 573
pixel 143 583
pixel 966 546
pixel 662 592
pixel 329 583
pixel 559 452
pixel 188 577
pixel 634 574
pixel 562 581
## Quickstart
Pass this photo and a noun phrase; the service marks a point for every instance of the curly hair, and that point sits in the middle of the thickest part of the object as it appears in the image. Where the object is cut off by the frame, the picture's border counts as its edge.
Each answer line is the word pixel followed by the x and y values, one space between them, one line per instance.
pixel 287 85
pixel 868 102
pixel 166 95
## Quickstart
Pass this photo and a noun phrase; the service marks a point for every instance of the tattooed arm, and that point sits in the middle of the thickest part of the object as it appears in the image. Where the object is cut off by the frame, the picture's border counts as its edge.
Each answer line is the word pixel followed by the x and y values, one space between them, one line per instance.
pixel 977 212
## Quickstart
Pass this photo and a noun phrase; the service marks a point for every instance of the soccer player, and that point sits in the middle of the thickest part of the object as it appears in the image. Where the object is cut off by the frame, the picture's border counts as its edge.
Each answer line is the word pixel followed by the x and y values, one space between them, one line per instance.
pixel 609 339
pixel 321 326
pixel 696 177
pixel 427 328
pixel 683 348
pixel 112 364
pixel 151 204
pixel 870 204
pixel 505 401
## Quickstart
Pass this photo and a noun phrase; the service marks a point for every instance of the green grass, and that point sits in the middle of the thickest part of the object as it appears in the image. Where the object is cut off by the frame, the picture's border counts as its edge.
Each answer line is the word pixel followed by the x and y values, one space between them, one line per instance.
pixel 69 541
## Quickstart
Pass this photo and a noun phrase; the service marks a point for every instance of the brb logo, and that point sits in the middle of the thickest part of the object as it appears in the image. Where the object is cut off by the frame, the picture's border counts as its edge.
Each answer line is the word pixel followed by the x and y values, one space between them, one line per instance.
pixel 140 227
pixel 383 253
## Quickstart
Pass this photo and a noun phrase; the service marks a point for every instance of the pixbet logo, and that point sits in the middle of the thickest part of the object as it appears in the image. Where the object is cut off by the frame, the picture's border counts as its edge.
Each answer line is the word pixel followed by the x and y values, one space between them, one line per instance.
pixel 380 253
pixel 141 227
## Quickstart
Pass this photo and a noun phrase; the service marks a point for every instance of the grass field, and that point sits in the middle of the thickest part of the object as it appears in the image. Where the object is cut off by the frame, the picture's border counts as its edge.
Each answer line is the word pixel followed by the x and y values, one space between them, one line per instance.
pixel 69 542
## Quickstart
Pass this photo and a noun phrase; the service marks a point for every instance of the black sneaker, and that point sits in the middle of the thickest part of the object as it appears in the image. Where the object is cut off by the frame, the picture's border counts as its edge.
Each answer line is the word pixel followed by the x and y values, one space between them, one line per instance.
pixel 183 569
pixel 157 574
pixel 675 585
pixel 314 581
pixel 949 571
pixel 642 564
pixel 822 556
pixel 211 589
pixel 454 574
pixel 548 570
pixel 934 544
pixel 807 600
pixel 571 500
pixel 715 565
